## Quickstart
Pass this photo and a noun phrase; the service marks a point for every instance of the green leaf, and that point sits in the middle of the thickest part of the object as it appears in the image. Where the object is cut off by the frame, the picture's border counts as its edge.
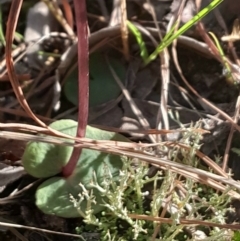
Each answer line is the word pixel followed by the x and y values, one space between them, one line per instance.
pixel 140 41
pixel 102 85
pixel 236 236
pixel 236 150
pixel 53 195
pixel 45 160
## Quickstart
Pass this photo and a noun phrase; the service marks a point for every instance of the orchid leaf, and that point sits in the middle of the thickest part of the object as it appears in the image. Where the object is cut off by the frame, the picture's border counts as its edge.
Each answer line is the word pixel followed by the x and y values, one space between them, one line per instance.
pixel 44 160
pixel 102 85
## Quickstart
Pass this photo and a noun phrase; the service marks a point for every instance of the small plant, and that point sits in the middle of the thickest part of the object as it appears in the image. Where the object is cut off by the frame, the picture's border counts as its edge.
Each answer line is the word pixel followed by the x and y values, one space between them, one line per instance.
pixel 135 194
pixel 44 160
pixel 123 196
pixel 171 35
pixel 102 86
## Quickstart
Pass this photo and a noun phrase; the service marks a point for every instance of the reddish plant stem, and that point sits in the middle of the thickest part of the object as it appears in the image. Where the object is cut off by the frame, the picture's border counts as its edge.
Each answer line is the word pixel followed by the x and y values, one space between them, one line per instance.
pixel 83 81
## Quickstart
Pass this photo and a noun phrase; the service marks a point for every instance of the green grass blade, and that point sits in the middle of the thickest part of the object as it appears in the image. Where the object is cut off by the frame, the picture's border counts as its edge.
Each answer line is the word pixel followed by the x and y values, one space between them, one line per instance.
pixel 220 50
pixel 2 38
pixel 140 41
pixel 183 29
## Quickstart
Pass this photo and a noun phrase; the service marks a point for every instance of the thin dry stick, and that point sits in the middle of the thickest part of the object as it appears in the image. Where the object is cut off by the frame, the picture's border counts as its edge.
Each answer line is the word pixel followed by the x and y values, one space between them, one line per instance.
pixel 57 13
pixel 185 221
pixel 163 213
pixel 184 93
pixel 17 53
pixel 17 234
pixel 112 32
pixel 205 158
pixel 115 14
pixel 124 148
pixel 21 77
pixel 22 113
pixel 17 194
pixel 216 184
pixel 196 174
pixel 45 84
pixel 177 19
pixel 142 120
pixel 229 140
pixel 149 131
pixel 182 39
pixel 66 114
pixel 124 29
pixel 11 26
pixel 68 13
pixel 165 73
pixel 156 231
pixel 57 141
pixel 5 224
